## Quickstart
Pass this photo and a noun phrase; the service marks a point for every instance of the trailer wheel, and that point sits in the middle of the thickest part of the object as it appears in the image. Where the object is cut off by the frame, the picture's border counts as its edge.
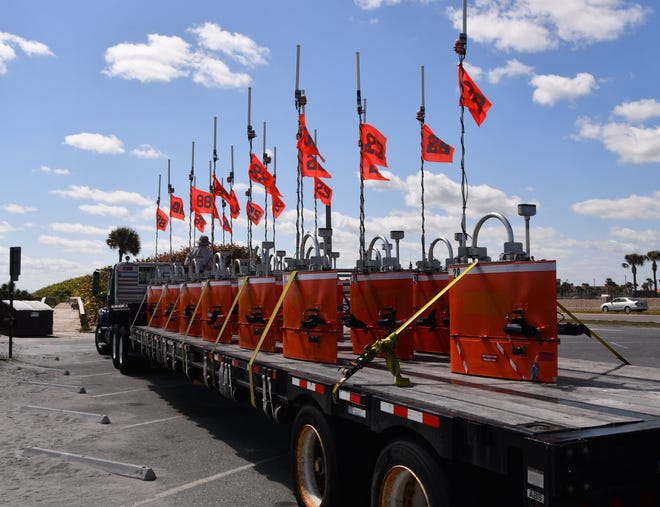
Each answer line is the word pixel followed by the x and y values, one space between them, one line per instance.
pixel 408 475
pixel 324 474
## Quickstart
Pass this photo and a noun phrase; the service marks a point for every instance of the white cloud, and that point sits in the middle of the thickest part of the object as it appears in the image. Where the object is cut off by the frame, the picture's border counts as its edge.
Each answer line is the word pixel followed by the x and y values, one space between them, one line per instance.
pixel 165 58
pixel 6 227
pixel 98 143
pixel 633 144
pixel 237 46
pixel 538 25
pixel 512 68
pixel 9 41
pixel 78 228
pixel 47 170
pixel 17 209
pixel 634 207
pixel 369 5
pixel 647 236
pixel 639 110
pixel 73 245
pixel 104 210
pixel 102 196
pixel 550 89
pixel 147 151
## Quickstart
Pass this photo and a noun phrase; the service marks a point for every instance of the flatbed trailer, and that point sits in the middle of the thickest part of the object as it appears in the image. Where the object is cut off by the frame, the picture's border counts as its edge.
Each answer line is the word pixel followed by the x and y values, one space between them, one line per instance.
pixel 590 439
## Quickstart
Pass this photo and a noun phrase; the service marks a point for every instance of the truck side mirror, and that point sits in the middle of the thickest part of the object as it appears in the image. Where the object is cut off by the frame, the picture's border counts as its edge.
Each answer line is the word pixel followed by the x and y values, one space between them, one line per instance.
pixel 96 282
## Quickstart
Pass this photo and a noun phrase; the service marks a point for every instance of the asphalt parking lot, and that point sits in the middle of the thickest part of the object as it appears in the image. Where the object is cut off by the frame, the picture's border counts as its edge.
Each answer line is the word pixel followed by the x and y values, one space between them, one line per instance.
pixel 202 449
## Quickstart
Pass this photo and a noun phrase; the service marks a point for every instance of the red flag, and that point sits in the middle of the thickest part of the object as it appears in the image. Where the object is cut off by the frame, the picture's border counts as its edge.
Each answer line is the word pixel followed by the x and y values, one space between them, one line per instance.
pixel 322 191
pixel 433 148
pixel 254 212
pixel 176 207
pixel 219 190
pixel 161 219
pixel 369 171
pixel 225 224
pixel 472 97
pixel 259 174
pixel 202 202
pixel 215 212
pixel 312 169
pixel 234 207
pixel 277 206
pixel 200 223
pixel 305 142
pixel 373 145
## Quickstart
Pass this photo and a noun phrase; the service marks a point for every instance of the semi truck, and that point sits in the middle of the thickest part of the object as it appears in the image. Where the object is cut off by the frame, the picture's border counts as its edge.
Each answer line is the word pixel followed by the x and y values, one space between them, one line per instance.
pixel 495 418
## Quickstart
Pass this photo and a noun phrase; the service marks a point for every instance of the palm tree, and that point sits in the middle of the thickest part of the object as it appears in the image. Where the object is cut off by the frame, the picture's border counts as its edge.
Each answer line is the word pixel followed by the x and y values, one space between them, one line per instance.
pixel 634 260
pixel 654 257
pixel 125 239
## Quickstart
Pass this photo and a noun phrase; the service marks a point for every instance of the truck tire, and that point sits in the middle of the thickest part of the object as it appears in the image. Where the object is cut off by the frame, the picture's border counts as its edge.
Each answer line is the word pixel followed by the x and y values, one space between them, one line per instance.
pixel 406 474
pixel 326 469
pixel 114 347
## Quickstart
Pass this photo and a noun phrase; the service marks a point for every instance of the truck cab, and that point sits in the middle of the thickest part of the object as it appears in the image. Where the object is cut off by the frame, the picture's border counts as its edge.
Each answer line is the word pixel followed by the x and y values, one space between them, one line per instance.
pixel 126 305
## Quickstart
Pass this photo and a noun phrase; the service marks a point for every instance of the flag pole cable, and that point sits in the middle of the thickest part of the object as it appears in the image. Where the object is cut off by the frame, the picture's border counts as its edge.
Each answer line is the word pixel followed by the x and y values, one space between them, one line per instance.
pixel 360 112
pixel 251 134
pixel 157 217
pixel 191 176
pixel 275 182
pixel 170 190
pixel 265 158
pixel 316 215
pixel 460 47
pixel 300 101
pixel 421 117
pixel 215 160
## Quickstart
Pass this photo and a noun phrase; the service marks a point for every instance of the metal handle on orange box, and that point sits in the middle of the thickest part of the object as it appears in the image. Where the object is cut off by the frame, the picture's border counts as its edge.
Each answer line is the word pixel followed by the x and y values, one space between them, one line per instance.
pixel 388 344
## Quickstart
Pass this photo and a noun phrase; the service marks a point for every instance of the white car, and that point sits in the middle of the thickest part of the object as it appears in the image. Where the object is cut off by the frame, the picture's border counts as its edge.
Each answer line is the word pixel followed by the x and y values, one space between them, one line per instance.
pixel 625 305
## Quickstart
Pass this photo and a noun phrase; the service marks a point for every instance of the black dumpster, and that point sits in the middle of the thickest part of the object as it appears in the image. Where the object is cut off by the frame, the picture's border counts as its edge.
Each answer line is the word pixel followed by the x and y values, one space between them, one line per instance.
pixel 31 318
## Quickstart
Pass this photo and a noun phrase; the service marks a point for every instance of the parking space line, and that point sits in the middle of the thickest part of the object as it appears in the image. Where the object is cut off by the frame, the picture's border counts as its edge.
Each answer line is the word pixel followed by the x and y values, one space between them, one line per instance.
pixel 95 374
pixel 151 422
pixel 199 482
pixel 118 392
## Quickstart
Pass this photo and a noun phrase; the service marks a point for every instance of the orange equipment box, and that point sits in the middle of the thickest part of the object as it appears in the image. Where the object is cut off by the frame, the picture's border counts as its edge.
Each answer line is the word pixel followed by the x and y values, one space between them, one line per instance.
pixel 169 306
pixel 255 306
pixel 191 292
pixel 154 305
pixel 504 321
pixel 312 317
pixel 380 303
pixel 216 303
pixel 431 330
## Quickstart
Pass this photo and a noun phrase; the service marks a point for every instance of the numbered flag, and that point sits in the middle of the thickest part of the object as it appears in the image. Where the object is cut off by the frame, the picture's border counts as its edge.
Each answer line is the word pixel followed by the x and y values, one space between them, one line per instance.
pixel 277 206
pixel 254 212
pixel 433 148
pixel 373 145
pixel 176 208
pixel 219 190
pixel 225 224
pixel 311 167
pixel 369 171
pixel 322 191
pixel 202 202
pixel 200 223
pixel 306 143
pixel 161 219
pixel 234 207
pixel 472 98
pixel 259 174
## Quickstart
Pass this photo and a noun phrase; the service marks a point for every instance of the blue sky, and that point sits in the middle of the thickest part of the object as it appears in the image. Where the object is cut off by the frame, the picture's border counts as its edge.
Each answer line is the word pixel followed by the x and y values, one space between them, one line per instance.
pixel 95 97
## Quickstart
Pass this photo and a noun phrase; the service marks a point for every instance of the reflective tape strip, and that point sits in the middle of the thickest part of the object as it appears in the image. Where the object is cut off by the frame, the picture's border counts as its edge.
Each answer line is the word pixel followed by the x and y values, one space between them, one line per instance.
pixel 306 384
pixel 349 396
pixel 511 363
pixel 410 414
pixel 460 354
